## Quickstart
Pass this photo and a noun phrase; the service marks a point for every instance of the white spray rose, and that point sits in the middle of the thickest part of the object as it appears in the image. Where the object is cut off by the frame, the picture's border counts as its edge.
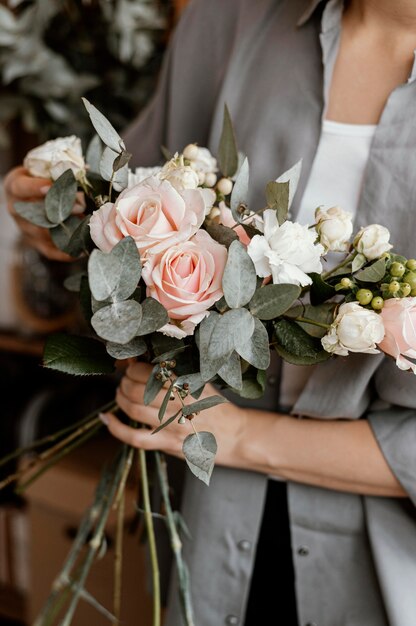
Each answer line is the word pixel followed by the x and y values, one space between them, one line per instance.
pixel 54 157
pixel 179 175
pixel 372 241
pixel 288 252
pixel 334 227
pixel 140 174
pixel 204 162
pixel 355 329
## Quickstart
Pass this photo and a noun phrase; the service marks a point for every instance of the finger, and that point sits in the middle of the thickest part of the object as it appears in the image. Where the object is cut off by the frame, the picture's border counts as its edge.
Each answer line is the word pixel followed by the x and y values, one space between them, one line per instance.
pixel 137 411
pixel 136 437
pixel 139 372
pixel 23 186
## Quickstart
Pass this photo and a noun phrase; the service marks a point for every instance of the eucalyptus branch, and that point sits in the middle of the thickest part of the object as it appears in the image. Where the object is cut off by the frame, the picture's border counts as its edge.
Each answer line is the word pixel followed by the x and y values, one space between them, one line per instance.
pixel 151 537
pixel 176 543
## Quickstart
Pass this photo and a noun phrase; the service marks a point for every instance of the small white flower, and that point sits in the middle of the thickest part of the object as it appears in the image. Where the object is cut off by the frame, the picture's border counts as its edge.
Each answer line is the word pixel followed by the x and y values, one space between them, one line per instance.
pixel 140 174
pixel 204 162
pixel 54 157
pixel 334 227
pixel 288 252
pixel 179 175
pixel 355 329
pixel 372 241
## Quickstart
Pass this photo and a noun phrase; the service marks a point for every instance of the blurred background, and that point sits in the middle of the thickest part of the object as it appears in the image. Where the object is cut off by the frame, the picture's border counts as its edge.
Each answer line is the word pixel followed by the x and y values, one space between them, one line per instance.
pixel 52 52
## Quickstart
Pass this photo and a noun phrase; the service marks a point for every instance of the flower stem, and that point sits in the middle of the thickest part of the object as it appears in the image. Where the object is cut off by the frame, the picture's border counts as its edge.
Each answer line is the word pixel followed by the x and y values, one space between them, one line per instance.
pixel 151 537
pixel 118 555
pixel 343 263
pixel 307 320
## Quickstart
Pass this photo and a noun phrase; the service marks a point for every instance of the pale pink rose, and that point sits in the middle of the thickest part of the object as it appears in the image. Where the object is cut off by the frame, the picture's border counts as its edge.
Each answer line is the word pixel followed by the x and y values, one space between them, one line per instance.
pixel 226 219
pixel 155 215
pixel 187 281
pixel 399 318
pixel 103 228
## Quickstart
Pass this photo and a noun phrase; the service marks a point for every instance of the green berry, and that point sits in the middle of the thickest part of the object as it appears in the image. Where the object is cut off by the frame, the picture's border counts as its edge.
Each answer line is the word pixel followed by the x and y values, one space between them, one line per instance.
pixel 346 283
pixel 394 286
pixel 364 296
pixel 377 303
pixel 413 292
pixel 397 269
pixel 411 264
pixel 406 289
pixel 410 277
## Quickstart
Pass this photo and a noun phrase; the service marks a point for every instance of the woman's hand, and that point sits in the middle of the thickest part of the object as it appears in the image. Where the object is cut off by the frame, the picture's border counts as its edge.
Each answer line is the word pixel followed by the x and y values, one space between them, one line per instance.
pixel 21 187
pixel 226 421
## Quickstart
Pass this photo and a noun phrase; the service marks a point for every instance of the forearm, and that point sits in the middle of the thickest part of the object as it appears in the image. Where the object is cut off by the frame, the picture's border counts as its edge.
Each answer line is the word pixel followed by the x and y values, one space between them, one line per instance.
pixel 334 454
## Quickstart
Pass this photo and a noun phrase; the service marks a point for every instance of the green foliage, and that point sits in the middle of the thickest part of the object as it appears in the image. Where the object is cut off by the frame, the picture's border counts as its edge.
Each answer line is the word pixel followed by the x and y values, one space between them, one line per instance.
pixel 222 234
pixel 295 345
pixel 374 273
pixel 320 289
pixel 199 451
pixel 277 198
pixel 135 347
pixel 60 199
pixel 34 212
pixel 256 350
pixel 271 301
pixel 118 322
pixel 230 372
pixel 115 274
pixel 154 316
pixel 201 405
pixel 239 278
pixel 231 332
pixel 227 151
pixel 239 194
pixel 79 356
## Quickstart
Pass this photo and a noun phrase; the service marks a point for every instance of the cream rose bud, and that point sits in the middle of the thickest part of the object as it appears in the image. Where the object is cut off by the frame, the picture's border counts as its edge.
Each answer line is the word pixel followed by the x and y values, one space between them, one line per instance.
pixel 179 175
pixel 204 162
pixel 355 329
pixel 372 241
pixel 153 213
pixel 187 280
pixel 54 157
pixel 288 252
pixel 399 318
pixel 334 227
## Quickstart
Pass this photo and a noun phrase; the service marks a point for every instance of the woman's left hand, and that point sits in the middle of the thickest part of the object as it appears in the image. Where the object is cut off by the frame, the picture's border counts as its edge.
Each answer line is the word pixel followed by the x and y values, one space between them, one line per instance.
pixel 226 421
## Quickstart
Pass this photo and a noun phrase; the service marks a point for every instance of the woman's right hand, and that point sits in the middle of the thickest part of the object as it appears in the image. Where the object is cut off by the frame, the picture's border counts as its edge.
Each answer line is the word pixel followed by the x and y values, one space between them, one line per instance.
pixel 21 187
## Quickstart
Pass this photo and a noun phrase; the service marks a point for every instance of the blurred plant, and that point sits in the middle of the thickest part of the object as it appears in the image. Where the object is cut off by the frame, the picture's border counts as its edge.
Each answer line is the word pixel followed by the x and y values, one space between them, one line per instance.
pixel 54 51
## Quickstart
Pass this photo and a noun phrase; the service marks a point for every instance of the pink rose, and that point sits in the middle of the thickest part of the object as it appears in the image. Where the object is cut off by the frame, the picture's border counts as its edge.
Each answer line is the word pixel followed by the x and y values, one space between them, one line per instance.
pixel 187 281
pixel 103 227
pixel 153 213
pixel 399 318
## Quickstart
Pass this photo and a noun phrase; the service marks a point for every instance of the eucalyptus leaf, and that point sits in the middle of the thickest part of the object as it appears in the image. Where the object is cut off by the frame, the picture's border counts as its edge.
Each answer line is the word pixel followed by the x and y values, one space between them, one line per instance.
pixel 295 345
pixel 162 343
pixel 194 381
pixel 277 198
pixel 239 278
pixel 62 234
pixel 115 274
pixel 171 354
pixel 104 128
pixel 154 316
pixel 33 212
pixel 121 160
pixel 135 347
pixel 164 404
pixel 75 355
pixel 230 372
pixel 209 366
pixel 271 301
pixel 73 282
pixel 199 450
pixel 239 194
pixel 153 386
pixel 256 350
pixel 291 176
pixel 94 154
pixel 227 151
pixel 120 177
pixel 80 241
pixel 373 273
pixel 118 322
pixel 60 199
pixel 233 329
pixel 358 262
pixel 168 421
pixel 201 405
pixel 222 234
pixel 254 384
pixel 322 313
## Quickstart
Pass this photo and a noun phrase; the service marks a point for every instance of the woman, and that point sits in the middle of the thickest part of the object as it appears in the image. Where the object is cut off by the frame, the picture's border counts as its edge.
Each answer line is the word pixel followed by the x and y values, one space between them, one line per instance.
pixel 283 67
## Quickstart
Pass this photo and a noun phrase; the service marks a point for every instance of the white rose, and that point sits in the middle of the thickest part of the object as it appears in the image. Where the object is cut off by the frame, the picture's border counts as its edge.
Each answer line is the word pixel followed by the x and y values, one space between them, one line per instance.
pixel 204 162
pixel 334 227
pixel 140 174
pixel 288 252
pixel 54 157
pixel 355 329
pixel 372 241
pixel 180 176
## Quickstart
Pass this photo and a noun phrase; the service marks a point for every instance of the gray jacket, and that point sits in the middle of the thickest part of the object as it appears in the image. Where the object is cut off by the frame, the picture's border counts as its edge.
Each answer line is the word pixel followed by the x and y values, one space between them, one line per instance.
pixel 355 557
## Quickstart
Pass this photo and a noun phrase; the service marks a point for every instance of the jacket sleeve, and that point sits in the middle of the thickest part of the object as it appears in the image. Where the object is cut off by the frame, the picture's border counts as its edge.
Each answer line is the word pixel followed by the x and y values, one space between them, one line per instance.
pixel 181 109
pixel 395 427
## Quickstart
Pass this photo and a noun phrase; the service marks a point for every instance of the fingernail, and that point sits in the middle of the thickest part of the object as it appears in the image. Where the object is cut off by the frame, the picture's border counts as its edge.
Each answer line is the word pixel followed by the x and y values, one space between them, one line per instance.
pixel 104 418
pixel 44 190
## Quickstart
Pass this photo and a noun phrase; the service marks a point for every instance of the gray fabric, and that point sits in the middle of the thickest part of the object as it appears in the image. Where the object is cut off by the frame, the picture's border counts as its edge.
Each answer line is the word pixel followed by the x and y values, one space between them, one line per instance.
pixel 360 566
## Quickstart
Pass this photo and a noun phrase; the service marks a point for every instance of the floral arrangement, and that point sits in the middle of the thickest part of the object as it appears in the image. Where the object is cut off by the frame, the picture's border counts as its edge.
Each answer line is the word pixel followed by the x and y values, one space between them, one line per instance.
pixel 180 272
pixel 53 52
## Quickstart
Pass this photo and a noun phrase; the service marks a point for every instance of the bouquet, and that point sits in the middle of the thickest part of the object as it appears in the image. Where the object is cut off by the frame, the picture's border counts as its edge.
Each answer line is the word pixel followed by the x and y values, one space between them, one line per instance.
pixel 180 272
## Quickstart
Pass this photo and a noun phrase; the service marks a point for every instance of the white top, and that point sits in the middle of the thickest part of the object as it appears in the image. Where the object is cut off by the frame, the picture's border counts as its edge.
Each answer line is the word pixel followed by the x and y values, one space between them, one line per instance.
pixel 336 179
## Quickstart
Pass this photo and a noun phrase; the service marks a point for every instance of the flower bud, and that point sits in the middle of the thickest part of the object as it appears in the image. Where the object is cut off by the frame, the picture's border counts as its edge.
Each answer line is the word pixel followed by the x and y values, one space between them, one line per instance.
pixel 201 177
pixel 411 264
pixel 346 282
pixel 364 296
pixel 191 152
pixel 210 179
pixel 397 269
pixel 225 186
pixel 181 420
pixel 394 286
pixel 214 213
pixel 377 303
